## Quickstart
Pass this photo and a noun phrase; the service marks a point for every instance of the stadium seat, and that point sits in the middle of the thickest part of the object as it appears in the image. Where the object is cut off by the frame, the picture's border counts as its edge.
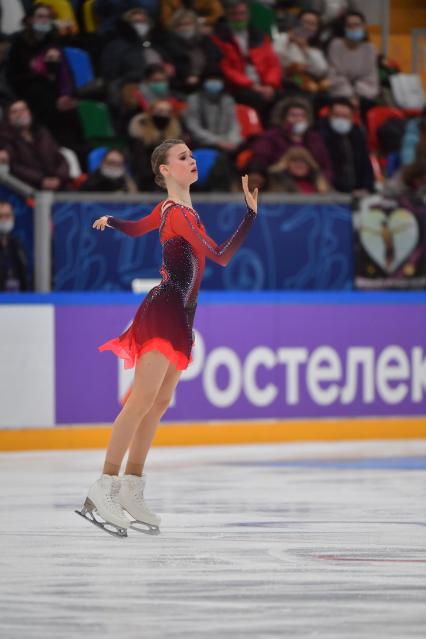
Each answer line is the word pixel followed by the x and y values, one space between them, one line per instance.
pixel 89 16
pixel 249 120
pixel 205 159
pixel 96 121
pixel 375 118
pixel 95 157
pixel 81 66
pixel 72 161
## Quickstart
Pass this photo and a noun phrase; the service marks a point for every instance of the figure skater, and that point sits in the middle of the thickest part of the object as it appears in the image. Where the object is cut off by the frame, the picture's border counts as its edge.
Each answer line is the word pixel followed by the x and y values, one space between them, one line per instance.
pixel 159 341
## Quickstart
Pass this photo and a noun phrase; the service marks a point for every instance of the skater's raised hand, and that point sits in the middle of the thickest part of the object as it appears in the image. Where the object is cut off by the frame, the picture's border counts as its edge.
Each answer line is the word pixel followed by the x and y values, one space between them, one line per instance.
pixel 101 223
pixel 251 198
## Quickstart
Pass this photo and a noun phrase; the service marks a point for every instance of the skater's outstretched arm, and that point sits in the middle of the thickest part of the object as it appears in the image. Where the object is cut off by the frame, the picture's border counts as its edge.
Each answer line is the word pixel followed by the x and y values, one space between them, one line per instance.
pixel 185 224
pixel 139 227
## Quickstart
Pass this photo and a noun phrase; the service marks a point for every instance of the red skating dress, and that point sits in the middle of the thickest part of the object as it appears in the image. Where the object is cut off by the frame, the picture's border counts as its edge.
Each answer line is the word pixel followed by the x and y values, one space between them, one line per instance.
pixel 163 321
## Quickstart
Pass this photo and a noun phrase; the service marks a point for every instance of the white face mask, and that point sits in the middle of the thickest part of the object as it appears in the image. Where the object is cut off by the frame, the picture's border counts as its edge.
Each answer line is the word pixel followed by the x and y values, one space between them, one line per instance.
pixel 187 33
pixel 341 125
pixel 4 169
pixel 42 27
pixel 6 226
pixel 112 173
pixel 299 128
pixel 141 28
pixel 22 121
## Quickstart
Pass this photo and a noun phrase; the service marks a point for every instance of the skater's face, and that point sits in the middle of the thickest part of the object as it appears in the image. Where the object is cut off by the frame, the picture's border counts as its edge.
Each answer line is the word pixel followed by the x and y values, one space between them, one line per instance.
pixel 181 166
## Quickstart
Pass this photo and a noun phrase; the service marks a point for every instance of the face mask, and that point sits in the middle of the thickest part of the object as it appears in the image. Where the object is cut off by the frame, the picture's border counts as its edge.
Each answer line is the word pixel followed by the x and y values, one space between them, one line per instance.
pixel 159 88
pixel 187 33
pixel 41 28
pixel 6 226
pixel 355 35
pixel 113 173
pixel 213 86
pixel 299 128
pixel 4 169
pixel 22 121
pixel 341 125
pixel 161 121
pixel 141 28
pixel 238 25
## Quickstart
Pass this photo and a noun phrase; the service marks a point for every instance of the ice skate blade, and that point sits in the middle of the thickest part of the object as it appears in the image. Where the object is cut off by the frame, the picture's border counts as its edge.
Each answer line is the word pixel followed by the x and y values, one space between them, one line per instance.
pixel 149 529
pixel 87 512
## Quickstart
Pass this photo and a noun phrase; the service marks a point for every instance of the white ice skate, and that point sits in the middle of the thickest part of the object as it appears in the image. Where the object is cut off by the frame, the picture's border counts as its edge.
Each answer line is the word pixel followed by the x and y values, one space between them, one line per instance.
pixel 102 499
pixel 131 499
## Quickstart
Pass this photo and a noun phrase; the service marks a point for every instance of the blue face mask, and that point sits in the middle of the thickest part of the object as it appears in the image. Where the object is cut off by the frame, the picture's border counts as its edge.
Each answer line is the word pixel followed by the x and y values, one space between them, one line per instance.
pixel 213 86
pixel 355 35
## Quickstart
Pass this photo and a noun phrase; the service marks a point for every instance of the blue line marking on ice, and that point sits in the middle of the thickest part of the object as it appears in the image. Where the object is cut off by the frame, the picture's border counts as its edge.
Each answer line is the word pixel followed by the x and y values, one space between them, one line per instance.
pixel 376 463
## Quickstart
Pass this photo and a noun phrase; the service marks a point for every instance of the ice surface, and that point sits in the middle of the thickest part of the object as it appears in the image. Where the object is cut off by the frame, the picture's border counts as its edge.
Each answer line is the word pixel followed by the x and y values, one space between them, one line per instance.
pixel 314 540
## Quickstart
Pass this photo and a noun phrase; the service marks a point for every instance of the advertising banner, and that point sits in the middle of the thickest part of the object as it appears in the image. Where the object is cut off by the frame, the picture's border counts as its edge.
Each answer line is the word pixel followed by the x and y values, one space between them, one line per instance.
pixel 257 360
pixel 27 381
pixel 390 240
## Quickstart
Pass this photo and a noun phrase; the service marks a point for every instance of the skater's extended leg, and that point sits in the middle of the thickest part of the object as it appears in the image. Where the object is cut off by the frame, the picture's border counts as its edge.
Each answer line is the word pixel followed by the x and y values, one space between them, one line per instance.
pixel 133 481
pixel 150 372
pixel 142 439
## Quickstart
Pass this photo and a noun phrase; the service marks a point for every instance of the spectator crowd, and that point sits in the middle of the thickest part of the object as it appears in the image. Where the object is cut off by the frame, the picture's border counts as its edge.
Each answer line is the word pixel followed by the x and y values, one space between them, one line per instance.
pixel 282 90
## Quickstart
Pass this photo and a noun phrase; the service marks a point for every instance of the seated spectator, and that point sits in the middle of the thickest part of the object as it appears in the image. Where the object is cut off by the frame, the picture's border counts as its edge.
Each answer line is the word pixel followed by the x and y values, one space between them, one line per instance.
pixel 35 157
pixel 410 179
pixel 13 261
pixel 4 162
pixel 292 119
pixel 347 145
pixel 297 172
pixel 146 131
pixel 249 65
pixel 50 96
pixel 414 139
pixel 353 71
pixel 38 34
pixel 211 118
pixel 109 11
pixel 129 51
pixel 332 14
pixel 111 176
pixel 304 64
pixel 208 11
pixel 155 86
pixel 189 53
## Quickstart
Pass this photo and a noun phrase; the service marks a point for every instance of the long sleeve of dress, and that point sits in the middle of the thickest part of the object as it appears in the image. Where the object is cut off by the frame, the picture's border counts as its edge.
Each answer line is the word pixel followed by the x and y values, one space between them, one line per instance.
pixel 139 227
pixel 184 223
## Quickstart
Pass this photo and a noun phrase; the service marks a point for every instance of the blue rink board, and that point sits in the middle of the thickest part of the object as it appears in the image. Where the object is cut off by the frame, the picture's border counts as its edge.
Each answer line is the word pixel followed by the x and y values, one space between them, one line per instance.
pixel 223 297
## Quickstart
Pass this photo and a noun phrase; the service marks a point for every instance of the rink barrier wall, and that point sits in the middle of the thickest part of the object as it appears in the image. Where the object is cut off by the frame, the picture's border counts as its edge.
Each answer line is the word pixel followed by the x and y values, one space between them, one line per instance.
pixel 267 367
pixel 203 434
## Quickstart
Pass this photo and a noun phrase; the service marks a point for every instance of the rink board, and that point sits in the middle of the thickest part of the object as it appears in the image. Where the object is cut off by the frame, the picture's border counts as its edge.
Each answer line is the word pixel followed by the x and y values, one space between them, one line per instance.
pixel 266 367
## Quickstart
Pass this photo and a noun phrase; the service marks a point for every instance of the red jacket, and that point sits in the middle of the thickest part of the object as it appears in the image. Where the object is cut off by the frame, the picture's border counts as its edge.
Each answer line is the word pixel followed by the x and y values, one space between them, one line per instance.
pixel 261 55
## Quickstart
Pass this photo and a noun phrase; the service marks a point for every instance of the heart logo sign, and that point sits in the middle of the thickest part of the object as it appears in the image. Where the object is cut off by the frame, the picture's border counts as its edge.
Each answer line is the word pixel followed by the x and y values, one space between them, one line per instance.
pixel 389 239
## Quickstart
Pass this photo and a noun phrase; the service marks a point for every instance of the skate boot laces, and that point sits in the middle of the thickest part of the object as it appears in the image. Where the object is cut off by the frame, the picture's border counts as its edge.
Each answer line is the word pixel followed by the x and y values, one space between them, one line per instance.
pixel 136 486
pixel 111 497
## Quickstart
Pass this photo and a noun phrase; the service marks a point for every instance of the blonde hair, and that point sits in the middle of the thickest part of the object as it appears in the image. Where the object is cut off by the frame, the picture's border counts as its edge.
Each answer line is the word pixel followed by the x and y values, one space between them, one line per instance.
pixel 159 156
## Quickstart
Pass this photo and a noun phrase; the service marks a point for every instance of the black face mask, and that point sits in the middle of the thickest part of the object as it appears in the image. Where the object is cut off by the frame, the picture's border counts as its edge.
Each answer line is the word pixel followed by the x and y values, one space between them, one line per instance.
pixel 161 121
pixel 52 66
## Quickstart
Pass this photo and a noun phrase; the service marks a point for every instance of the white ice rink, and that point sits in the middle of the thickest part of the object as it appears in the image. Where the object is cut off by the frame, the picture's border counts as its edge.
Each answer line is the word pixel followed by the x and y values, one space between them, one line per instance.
pixel 314 540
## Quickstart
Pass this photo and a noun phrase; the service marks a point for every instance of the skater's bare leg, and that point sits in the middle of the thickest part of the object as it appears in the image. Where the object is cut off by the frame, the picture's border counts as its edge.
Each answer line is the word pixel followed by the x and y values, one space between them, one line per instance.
pixel 151 369
pixel 145 432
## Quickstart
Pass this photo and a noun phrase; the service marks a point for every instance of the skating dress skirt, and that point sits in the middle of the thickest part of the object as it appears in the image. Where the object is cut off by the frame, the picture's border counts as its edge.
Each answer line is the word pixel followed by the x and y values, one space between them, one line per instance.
pixel 163 322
